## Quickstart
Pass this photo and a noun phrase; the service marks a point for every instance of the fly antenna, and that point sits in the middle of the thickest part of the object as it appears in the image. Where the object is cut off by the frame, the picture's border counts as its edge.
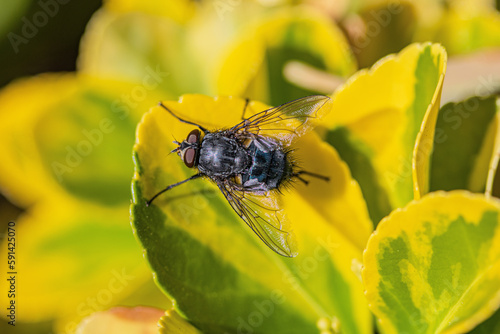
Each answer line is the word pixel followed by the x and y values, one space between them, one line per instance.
pixel 205 131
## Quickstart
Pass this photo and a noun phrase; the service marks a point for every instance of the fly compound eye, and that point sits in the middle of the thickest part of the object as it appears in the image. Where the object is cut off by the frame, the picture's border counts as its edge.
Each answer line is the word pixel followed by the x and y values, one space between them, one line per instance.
pixel 193 137
pixel 189 156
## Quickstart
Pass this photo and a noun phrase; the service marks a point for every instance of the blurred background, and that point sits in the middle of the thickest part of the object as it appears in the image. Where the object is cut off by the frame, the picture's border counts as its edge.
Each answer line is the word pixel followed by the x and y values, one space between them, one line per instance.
pixel 66 136
pixel 54 48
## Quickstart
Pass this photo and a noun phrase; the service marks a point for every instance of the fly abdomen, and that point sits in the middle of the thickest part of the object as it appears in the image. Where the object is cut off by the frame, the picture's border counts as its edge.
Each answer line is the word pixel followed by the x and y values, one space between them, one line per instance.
pixel 267 170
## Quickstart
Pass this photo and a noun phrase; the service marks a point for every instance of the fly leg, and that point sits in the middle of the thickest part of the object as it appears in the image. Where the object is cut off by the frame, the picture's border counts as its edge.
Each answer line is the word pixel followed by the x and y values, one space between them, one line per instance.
pixel 304 172
pixel 247 101
pixel 205 131
pixel 148 203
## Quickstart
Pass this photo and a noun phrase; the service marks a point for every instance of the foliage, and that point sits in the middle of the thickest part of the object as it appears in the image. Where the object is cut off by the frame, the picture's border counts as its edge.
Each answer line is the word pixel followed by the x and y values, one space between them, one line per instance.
pixel 406 230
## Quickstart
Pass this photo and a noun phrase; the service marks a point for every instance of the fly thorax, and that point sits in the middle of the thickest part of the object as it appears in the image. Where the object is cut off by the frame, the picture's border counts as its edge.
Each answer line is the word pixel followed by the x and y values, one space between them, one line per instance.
pixel 221 156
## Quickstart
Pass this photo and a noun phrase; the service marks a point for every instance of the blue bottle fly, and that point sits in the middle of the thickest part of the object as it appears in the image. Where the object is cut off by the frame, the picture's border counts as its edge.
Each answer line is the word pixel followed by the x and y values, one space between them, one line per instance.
pixel 251 161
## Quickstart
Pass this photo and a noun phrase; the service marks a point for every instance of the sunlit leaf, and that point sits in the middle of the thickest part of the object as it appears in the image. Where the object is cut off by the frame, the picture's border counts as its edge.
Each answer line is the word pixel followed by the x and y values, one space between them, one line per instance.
pixel 18 146
pixel 463 30
pixel 376 118
pixel 73 259
pixel 155 52
pixel 89 153
pixel 179 10
pixel 150 51
pixel 255 66
pixel 198 247
pixel 434 266
pixel 339 201
pixel 76 140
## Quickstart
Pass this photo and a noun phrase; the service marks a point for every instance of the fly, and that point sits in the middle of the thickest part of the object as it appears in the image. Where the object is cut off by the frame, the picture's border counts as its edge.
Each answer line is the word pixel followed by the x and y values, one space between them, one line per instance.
pixel 251 161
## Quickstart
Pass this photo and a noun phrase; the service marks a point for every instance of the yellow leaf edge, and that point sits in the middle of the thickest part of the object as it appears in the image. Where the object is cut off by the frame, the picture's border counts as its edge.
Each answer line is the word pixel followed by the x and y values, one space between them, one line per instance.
pixel 425 137
pixel 495 159
pixel 173 323
pixel 331 120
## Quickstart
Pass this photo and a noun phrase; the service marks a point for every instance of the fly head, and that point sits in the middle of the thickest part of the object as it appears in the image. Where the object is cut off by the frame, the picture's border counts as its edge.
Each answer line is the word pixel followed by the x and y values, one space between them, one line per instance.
pixel 188 150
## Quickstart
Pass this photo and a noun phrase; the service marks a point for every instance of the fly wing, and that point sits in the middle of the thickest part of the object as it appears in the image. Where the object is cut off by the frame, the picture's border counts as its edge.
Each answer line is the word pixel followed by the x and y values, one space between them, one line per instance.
pixel 263 215
pixel 288 121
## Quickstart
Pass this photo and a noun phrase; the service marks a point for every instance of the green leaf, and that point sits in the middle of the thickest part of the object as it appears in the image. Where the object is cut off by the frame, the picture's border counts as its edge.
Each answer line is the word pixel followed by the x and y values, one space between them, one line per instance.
pixel 76 141
pixel 464 145
pixel 11 14
pixel 89 154
pixel 64 239
pixel 434 266
pixel 18 145
pixel 220 275
pixel 376 118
